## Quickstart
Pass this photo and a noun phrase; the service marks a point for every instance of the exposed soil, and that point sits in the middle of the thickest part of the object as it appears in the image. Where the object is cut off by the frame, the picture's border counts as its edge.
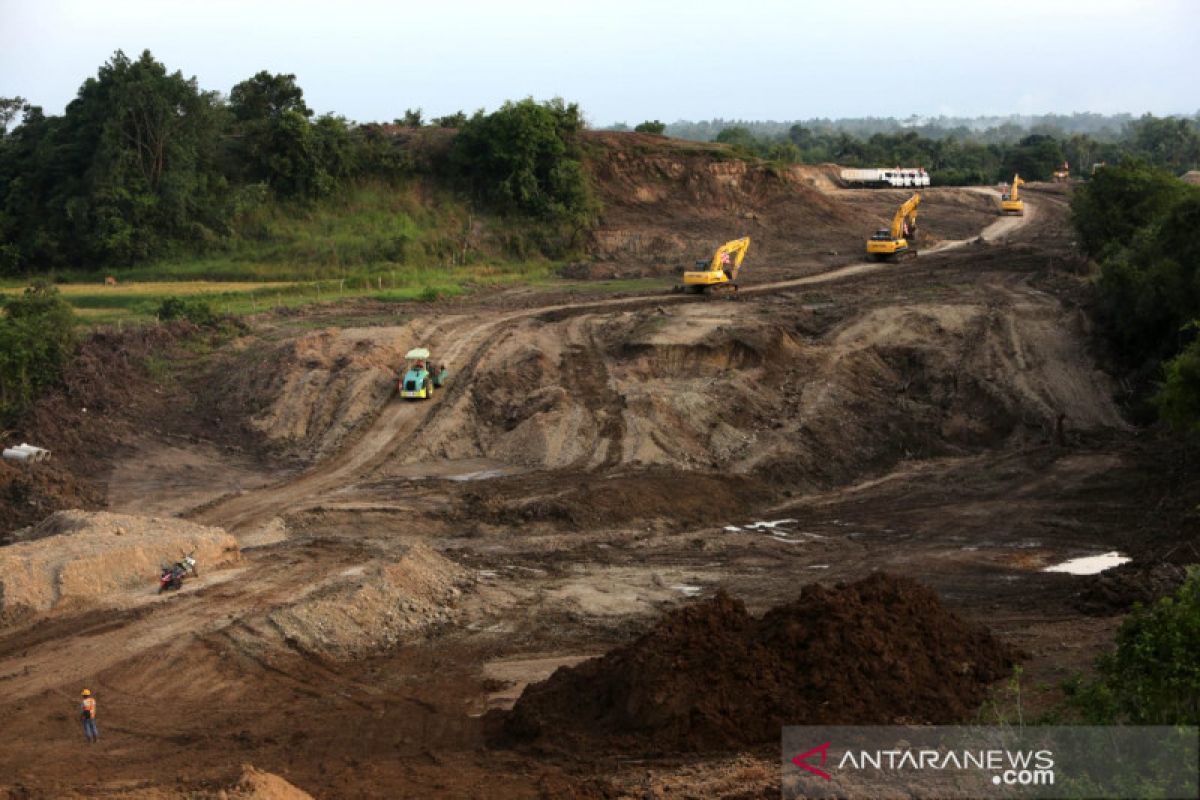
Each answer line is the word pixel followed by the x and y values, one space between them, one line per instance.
pixel 667 206
pixel 375 606
pixel 110 400
pixel 597 461
pixel 880 651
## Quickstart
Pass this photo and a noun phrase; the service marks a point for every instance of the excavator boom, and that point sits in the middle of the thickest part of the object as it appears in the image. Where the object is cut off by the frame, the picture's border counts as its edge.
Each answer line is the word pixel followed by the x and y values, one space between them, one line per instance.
pixel 906 213
pixel 1015 192
pixel 737 254
pixel 1012 203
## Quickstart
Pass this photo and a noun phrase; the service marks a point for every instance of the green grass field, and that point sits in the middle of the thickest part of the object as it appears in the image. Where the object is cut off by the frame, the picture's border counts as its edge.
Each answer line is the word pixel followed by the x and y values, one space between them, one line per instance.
pixel 100 304
pixel 395 243
pixel 97 304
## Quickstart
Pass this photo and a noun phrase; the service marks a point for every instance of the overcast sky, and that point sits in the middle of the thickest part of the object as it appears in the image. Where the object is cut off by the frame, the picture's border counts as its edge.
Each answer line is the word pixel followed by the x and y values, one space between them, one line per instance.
pixel 630 61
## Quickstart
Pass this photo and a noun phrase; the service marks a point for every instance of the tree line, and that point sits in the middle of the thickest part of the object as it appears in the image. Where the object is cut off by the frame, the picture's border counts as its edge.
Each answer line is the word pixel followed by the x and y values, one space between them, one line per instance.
pixel 143 163
pixel 989 128
pixel 1171 143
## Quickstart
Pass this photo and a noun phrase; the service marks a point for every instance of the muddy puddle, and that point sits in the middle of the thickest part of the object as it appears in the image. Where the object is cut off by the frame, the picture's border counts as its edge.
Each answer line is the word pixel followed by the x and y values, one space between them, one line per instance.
pixel 781 530
pixel 1089 565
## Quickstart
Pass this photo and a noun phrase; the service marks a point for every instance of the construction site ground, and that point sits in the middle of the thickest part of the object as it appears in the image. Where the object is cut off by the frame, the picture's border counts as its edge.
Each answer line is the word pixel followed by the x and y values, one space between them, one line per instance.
pixel 595 461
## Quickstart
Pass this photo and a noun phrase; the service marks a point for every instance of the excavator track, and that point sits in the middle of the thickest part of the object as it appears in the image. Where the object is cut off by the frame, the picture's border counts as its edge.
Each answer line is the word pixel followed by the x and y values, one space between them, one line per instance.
pixel 729 290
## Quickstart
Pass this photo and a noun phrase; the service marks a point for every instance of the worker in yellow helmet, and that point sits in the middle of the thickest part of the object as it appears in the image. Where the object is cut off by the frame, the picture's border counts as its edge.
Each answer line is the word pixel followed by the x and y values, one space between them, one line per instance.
pixel 87 713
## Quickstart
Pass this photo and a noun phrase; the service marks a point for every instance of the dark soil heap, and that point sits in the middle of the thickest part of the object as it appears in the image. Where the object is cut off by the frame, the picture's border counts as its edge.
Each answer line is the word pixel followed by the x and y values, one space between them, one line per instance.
pixel 710 676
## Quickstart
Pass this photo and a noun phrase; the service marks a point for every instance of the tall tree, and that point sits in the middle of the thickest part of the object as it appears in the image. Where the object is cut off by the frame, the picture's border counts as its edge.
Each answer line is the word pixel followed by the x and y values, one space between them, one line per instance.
pixel 526 157
pixel 278 144
pixel 267 96
pixel 10 109
pixel 128 167
pixel 1035 157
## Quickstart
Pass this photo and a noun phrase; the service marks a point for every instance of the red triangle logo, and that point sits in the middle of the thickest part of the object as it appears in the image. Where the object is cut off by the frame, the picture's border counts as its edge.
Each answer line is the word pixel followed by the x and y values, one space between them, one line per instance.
pixel 823 750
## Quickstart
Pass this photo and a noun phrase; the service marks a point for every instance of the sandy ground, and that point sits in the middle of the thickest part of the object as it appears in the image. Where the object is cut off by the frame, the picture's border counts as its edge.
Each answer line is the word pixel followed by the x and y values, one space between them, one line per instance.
pixel 591 463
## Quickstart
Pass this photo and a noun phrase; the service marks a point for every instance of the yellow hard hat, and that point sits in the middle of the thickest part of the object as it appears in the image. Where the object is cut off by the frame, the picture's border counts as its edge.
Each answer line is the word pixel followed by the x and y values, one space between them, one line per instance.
pixel 87 692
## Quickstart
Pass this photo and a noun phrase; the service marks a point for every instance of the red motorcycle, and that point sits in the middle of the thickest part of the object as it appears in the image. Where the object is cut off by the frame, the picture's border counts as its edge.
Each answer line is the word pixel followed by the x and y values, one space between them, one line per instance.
pixel 172 575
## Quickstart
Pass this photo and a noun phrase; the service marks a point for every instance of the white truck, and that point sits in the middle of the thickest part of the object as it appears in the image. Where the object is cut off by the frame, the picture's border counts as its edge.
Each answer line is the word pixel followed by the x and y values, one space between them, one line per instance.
pixel 886 178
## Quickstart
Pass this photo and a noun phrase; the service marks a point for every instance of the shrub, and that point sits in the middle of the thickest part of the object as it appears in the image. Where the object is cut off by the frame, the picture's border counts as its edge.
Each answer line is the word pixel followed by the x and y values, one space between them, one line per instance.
pixel 1153 675
pixel 37 338
pixel 652 126
pixel 193 309
pixel 1178 398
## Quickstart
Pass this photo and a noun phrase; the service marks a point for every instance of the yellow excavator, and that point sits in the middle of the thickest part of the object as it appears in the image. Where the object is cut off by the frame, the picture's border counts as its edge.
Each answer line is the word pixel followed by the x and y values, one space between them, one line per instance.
pixel 719 274
pixel 1010 201
pixel 892 244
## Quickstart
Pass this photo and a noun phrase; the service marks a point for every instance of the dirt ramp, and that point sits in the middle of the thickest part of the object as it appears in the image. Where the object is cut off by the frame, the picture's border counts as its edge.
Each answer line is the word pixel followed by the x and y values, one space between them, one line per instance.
pixel 637 388
pixel 374 607
pixel 310 392
pixel 82 558
pixel 712 677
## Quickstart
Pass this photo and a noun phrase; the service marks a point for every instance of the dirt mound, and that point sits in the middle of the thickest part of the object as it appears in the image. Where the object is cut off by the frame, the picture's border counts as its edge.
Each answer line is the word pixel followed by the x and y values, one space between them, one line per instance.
pixel 590 392
pixel 1115 590
pixel 258 785
pixel 374 607
pixel 710 676
pixel 252 784
pixel 80 558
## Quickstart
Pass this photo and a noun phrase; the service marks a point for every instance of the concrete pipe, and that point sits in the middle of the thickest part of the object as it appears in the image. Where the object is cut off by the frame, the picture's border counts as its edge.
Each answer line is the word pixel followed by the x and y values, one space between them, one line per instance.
pixel 26 452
